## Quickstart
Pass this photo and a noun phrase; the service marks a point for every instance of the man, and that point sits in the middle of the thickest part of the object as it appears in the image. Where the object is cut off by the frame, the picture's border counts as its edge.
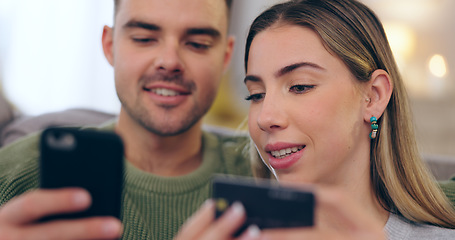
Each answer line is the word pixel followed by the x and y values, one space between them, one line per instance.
pixel 168 59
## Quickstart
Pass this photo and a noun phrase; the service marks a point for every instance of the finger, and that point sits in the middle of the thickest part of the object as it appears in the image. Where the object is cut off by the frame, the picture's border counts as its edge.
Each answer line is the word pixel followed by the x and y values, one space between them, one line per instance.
pixel 200 221
pixel 228 223
pixel 34 205
pixel 251 233
pixel 87 228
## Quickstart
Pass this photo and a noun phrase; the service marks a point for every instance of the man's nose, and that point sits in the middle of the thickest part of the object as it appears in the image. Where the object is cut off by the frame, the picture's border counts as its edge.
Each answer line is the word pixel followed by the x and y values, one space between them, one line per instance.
pixel 169 59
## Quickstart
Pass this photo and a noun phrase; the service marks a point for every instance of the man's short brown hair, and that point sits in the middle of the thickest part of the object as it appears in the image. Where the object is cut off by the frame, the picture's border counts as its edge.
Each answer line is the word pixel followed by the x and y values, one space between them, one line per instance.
pixel 228 4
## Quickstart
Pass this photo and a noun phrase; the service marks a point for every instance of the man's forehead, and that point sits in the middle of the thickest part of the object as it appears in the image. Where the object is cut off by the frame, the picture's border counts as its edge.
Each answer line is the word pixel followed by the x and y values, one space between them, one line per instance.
pixel 175 9
pixel 175 13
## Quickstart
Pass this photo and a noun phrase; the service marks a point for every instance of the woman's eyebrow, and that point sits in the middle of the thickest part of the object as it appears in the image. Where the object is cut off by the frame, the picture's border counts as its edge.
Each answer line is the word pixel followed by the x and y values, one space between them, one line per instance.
pixel 285 70
pixel 289 68
pixel 251 78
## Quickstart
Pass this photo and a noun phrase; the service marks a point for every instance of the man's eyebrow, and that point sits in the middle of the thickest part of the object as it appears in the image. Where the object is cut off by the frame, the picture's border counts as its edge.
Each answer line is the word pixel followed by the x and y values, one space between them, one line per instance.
pixel 252 78
pixel 191 31
pixel 140 24
pixel 204 31
pixel 292 67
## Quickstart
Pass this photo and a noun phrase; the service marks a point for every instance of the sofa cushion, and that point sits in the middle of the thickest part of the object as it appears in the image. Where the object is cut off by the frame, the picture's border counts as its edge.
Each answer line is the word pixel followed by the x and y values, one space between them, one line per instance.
pixel 72 117
pixel 6 111
pixel 442 167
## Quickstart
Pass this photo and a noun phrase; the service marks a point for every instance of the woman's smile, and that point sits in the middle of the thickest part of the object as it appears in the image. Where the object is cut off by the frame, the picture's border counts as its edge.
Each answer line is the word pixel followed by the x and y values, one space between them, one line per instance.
pixel 284 155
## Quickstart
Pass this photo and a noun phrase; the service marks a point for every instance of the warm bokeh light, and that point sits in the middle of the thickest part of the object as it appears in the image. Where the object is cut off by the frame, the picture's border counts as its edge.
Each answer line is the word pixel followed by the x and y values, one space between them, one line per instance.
pixel 438 65
pixel 401 39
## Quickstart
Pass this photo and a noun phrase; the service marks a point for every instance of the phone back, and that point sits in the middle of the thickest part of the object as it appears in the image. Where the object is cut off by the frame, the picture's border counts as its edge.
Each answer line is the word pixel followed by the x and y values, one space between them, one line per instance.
pixel 73 157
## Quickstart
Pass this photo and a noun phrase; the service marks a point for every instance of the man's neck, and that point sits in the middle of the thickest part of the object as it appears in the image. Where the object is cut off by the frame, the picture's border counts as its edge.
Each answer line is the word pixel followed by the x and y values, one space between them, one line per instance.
pixel 165 156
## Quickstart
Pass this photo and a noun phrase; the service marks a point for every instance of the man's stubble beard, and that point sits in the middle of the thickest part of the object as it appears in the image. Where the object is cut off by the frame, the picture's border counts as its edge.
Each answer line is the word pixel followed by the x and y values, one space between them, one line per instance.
pixel 169 124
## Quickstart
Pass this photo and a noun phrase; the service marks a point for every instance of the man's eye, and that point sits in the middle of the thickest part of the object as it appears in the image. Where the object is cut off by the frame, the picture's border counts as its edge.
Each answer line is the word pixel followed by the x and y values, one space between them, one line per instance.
pixel 301 88
pixel 255 97
pixel 199 46
pixel 143 40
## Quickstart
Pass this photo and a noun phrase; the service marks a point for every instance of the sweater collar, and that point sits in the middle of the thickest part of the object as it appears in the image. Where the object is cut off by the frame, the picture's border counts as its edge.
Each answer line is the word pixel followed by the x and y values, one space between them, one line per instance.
pixel 397 226
pixel 138 179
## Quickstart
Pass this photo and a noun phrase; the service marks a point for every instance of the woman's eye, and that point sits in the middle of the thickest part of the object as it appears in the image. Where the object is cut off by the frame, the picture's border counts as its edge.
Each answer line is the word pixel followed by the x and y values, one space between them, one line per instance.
pixel 301 88
pixel 255 97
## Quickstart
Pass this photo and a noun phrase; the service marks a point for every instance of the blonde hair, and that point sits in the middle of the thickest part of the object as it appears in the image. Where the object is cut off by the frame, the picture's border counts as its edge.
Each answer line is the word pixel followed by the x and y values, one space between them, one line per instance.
pixel 400 178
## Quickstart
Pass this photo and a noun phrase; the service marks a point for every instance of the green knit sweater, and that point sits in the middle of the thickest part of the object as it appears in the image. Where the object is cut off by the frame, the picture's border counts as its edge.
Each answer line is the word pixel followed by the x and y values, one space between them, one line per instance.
pixel 153 207
pixel 449 189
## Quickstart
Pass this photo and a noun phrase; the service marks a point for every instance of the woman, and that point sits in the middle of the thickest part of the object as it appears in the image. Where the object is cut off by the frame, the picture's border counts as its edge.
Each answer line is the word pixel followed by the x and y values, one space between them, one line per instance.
pixel 329 108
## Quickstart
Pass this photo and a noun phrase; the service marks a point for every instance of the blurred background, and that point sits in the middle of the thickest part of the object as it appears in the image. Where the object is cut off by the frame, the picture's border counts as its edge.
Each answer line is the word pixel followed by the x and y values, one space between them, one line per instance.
pixel 51 60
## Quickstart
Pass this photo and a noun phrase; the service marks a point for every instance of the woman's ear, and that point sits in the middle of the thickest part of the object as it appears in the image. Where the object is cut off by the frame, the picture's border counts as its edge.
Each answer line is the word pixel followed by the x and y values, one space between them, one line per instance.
pixel 378 93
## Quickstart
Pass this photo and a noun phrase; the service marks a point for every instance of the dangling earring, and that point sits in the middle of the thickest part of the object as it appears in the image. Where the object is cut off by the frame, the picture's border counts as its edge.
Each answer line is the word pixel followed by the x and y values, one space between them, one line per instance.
pixel 375 127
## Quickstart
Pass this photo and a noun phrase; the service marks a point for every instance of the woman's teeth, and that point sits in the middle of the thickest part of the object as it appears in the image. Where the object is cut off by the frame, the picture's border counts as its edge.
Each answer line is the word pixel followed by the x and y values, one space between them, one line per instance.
pixel 285 152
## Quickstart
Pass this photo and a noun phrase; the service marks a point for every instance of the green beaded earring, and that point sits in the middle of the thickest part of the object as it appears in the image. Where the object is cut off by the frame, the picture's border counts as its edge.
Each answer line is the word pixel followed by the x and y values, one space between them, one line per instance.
pixel 374 126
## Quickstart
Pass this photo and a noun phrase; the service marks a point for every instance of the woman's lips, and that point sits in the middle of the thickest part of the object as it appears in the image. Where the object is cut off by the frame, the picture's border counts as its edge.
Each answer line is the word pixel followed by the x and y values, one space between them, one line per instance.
pixel 285 157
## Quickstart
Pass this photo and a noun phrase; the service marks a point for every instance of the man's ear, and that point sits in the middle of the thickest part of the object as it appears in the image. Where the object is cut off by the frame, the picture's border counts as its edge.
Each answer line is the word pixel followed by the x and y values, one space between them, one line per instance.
pixel 378 93
pixel 229 51
pixel 107 41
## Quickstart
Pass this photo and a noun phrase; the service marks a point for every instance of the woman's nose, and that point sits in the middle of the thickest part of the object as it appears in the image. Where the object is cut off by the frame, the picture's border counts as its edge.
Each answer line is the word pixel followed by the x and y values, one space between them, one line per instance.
pixel 272 114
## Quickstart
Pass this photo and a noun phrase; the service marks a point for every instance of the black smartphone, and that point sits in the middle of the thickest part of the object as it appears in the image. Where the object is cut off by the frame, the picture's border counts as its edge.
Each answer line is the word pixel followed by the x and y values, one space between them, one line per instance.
pixel 267 204
pixel 91 159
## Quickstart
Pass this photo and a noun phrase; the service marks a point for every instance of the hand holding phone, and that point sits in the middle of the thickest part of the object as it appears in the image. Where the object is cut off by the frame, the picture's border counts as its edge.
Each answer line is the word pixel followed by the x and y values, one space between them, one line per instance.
pixel 19 217
pixel 90 159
